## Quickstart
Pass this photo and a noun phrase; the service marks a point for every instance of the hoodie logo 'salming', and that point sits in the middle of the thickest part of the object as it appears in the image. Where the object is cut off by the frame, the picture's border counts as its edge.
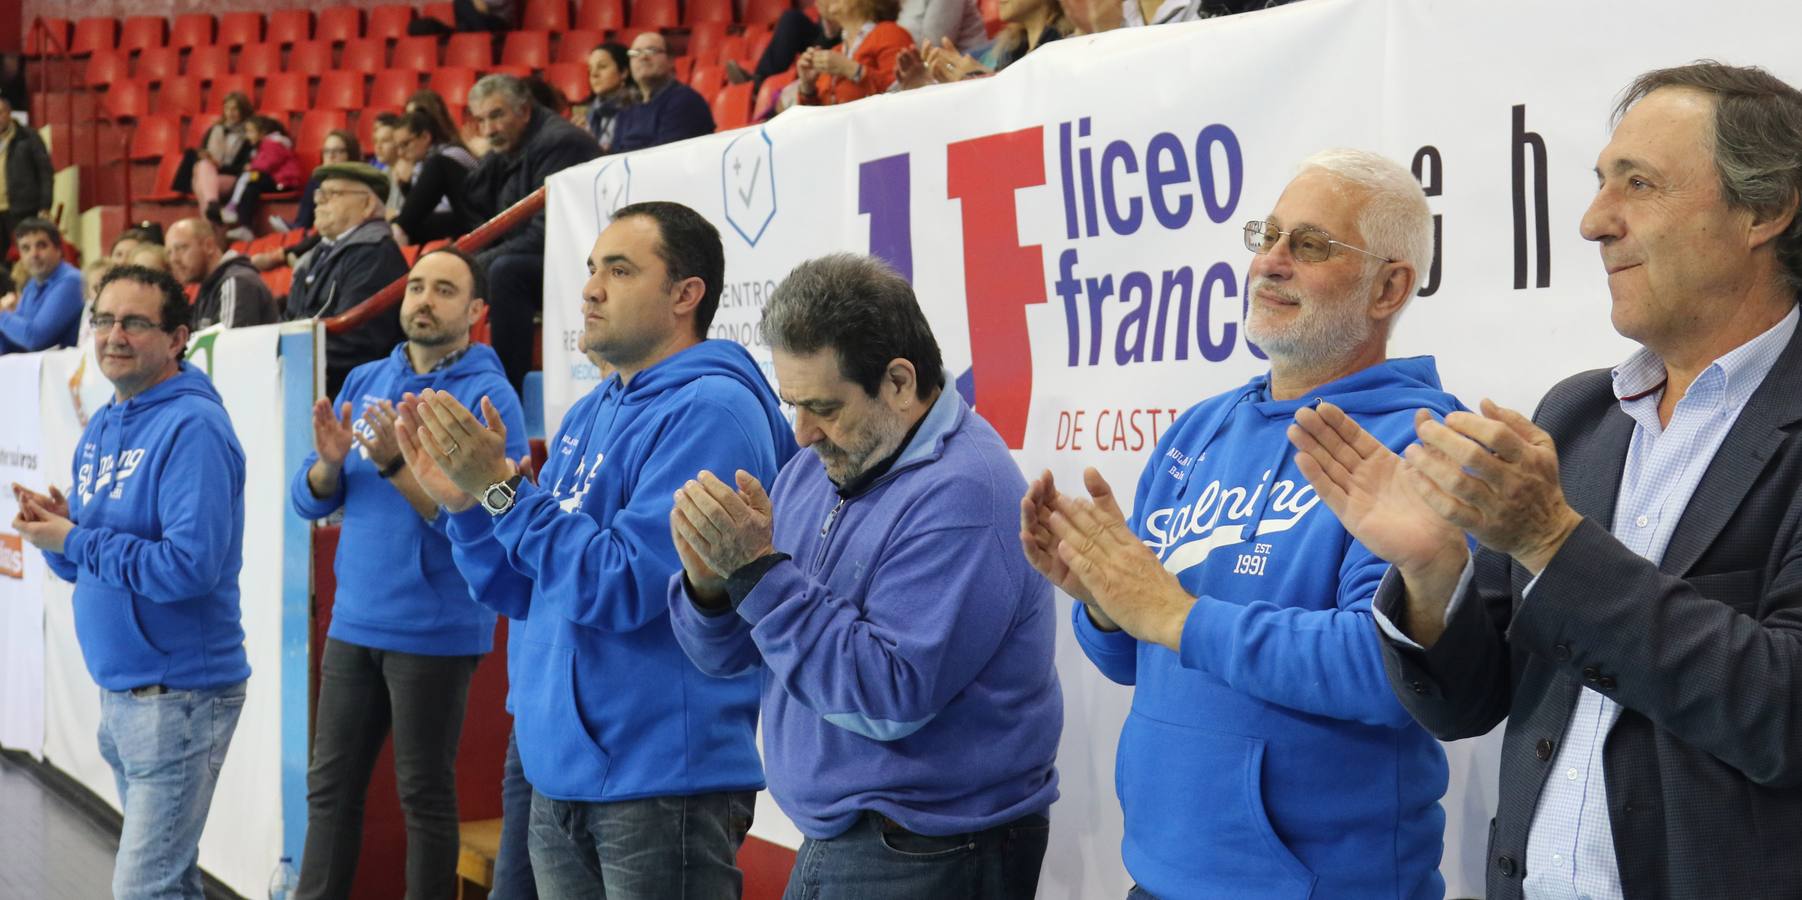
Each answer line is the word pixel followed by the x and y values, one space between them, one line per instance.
pixel 1184 536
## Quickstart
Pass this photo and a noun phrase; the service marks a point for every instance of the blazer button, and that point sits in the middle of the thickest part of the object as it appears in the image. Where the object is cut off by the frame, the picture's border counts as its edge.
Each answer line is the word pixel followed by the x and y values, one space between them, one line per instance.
pixel 1606 682
pixel 1505 865
pixel 1591 675
pixel 1543 749
pixel 1417 687
pixel 1561 652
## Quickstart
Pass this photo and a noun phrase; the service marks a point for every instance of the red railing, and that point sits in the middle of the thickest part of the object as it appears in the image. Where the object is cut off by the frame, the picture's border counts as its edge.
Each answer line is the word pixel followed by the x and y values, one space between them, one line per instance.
pixel 487 233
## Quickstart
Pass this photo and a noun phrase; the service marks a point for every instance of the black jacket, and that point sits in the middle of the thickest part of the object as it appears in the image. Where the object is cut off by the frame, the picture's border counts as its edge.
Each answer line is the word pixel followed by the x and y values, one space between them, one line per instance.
pixel 28 172
pixel 436 204
pixel 550 145
pixel 234 293
pixel 1703 651
pixel 339 275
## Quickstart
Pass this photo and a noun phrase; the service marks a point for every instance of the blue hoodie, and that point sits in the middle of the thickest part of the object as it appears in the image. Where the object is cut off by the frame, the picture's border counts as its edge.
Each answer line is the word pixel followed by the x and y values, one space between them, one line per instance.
pixel 49 313
pixel 158 507
pixel 397 586
pixel 606 707
pixel 1270 758
pixel 908 648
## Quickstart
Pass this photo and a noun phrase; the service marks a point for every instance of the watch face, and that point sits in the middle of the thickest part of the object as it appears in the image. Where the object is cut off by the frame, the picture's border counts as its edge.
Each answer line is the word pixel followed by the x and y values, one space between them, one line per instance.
pixel 497 497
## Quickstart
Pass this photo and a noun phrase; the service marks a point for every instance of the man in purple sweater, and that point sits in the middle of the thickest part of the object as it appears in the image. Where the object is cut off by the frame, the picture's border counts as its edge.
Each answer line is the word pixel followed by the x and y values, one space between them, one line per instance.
pixel 911 710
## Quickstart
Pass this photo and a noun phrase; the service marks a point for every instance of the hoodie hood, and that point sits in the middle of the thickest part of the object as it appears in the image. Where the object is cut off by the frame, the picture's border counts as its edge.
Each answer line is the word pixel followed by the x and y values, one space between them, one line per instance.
pixel 188 381
pixel 718 358
pixel 1390 386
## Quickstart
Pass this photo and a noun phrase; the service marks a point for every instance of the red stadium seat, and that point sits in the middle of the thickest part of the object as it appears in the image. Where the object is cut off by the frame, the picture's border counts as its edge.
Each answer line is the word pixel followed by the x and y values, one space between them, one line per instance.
pixel 164 192
pixel 197 129
pixel 420 54
pixel 759 41
pixel 443 12
pixel 179 96
pixel 370 55
pixel 453 84
pixel 259 60
pixel 389 22
pixel 391 89
pixel 158 63
pixel 140 32
pixel 654 14
pixel 106 67
pixel 310 136
pixel 765 12
pixel 545 15
pixel 339 24
pixel 48 36
pixel 94 33
pixel 208 63
pixel 155 136
pixel 571 79
pixel 521 72
pixel 628 35
pixel 704 42
pixel 474 49
pixel 685 69
pixel 339 89
pixel 527 48
pixel 315 57
pixel 700 11
pixel 574 46
pixel 125 99
pixel 239 28
pixel 773 85
pixel 280 280
pixel 732 47
pixel 732 107
pixel 284 92
pixel 192 30
pixel 225 84
pixel 708 79
pixel 287 26
pixel 601 15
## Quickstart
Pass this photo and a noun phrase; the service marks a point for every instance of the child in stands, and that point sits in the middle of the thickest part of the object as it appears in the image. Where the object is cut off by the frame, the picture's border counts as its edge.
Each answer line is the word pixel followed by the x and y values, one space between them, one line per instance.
pixel 274 167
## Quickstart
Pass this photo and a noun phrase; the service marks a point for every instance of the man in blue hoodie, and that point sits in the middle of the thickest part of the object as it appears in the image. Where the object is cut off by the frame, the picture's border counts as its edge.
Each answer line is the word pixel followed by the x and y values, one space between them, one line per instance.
pixel 47 313
pixel 153 538
pixel 1264 755
pixel 910 701
pixel 405 636
pixel 644 769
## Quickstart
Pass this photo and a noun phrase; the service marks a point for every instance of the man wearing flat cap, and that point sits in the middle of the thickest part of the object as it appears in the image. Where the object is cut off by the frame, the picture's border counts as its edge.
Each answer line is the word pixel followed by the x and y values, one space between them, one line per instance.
pixel 356 257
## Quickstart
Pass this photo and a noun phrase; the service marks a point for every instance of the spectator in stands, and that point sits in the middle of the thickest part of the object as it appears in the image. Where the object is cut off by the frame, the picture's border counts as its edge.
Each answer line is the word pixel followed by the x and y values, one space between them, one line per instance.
pixel 152 537
pixel 932 22
pixel 230 290
pixel 339 146
pixel 130 239
pixel 528 144
pixel 667 110
pixel 405 636
pixel 12 80
pixel 356 257
pixel 795 33
pixel 25 174
pixel 209 170
pixel 1030 24
pixel 385 156
pixel 862 63
pixel 274 167
pixel 916 754
pixel 46 312
pixel 436 203
pixel 589 554
pixel 607 68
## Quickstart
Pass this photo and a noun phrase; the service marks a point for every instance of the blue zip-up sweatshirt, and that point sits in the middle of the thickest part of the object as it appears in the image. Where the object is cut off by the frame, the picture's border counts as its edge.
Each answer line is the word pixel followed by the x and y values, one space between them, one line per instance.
pixel 158 507
pixel 606 707
pixel 49 313
pixel 1269 758
pixel 398 588
pixel 908 649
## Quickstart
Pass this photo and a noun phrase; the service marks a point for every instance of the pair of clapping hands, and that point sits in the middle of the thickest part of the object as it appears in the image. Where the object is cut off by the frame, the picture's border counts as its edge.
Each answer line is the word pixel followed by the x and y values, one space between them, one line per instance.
pixel 939 63
pixel 43 519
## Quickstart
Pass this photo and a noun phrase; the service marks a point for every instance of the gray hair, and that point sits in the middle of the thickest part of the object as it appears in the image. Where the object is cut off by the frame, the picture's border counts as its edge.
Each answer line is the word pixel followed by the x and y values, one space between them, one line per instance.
pixel 861 309
pixel 511 89
pixel 1395 221
pixel 1757 141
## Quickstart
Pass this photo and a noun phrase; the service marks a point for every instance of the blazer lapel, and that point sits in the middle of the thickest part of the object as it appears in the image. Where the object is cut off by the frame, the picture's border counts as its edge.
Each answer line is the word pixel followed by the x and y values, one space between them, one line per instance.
pixel 1592 467
pixel 1748 447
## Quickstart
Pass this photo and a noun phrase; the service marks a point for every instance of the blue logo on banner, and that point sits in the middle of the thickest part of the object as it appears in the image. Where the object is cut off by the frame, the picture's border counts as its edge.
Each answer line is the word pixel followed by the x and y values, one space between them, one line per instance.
pixel 612 189
pixel 748 178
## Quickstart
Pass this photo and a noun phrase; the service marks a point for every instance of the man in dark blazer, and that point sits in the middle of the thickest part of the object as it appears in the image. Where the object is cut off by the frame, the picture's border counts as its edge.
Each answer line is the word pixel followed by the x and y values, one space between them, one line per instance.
pixel 1635 608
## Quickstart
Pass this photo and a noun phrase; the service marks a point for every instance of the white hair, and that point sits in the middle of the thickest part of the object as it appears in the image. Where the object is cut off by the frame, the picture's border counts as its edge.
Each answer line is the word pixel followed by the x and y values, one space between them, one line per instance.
pixel 1395 221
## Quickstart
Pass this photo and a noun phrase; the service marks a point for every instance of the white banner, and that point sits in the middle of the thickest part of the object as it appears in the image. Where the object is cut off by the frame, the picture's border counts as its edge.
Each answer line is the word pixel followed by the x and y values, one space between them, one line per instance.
pixel 22 569
pixel 1072 227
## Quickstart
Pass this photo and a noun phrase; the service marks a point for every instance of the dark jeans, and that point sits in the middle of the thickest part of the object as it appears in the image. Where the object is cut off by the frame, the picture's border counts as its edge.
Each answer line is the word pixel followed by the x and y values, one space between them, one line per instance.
pixel 658 848
pixel 363 694
pixel 879 860
pixel 516 297
pixel 513 864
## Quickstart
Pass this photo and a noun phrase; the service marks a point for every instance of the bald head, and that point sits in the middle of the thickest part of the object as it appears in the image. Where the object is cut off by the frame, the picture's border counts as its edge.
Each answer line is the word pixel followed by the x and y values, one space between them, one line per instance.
pixel 194 250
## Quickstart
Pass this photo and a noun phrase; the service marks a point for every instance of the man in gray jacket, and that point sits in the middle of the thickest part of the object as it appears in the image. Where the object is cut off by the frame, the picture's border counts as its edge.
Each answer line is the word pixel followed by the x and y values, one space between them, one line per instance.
pixel 231 290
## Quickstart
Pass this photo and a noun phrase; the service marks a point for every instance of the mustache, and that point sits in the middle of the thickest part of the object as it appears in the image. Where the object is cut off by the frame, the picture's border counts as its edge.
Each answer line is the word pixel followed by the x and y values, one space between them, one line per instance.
pixel 1262 285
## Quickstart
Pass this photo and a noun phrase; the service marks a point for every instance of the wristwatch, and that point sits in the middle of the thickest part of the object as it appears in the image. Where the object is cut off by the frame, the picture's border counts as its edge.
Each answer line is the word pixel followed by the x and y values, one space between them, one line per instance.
pixel 500 495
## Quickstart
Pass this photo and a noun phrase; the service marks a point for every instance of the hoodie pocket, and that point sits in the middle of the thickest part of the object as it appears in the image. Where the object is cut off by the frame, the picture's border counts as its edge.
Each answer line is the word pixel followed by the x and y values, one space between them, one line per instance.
pixel 111 637
pixel 1194 804
pixel 556 743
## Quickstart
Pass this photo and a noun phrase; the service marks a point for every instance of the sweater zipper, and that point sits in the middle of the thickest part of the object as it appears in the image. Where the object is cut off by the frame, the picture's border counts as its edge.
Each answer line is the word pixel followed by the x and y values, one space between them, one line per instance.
pixel 826 529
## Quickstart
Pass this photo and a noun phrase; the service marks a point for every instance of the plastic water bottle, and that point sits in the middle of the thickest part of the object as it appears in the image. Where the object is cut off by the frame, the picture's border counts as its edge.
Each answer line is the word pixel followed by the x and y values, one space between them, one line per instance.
pixel 284 881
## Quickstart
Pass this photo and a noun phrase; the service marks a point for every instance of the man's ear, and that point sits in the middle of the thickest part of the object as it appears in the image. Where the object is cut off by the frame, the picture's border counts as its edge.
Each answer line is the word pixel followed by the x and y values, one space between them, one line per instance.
pixel 1394 290
pixel 900 373
pixel 689 298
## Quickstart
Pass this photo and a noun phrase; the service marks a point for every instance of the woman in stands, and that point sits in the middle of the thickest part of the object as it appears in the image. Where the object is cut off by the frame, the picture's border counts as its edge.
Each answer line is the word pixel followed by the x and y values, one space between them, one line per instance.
pixel 863 62
pixel 436 205
pixel 607 68
pixel 273 168
pixel 1030 24
pixel 211 168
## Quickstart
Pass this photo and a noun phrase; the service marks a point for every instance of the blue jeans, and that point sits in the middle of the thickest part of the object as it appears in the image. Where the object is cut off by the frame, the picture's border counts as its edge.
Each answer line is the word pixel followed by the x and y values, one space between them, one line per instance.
pixel 165 750
pixel 513 864
pixel 877 859
pixel 658 848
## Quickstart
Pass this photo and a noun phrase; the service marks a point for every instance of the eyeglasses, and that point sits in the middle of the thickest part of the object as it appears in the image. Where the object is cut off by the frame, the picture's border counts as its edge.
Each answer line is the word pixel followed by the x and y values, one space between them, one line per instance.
pixel 326 195
pixel 643 52
pixel 1307 244
pixel 133 325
